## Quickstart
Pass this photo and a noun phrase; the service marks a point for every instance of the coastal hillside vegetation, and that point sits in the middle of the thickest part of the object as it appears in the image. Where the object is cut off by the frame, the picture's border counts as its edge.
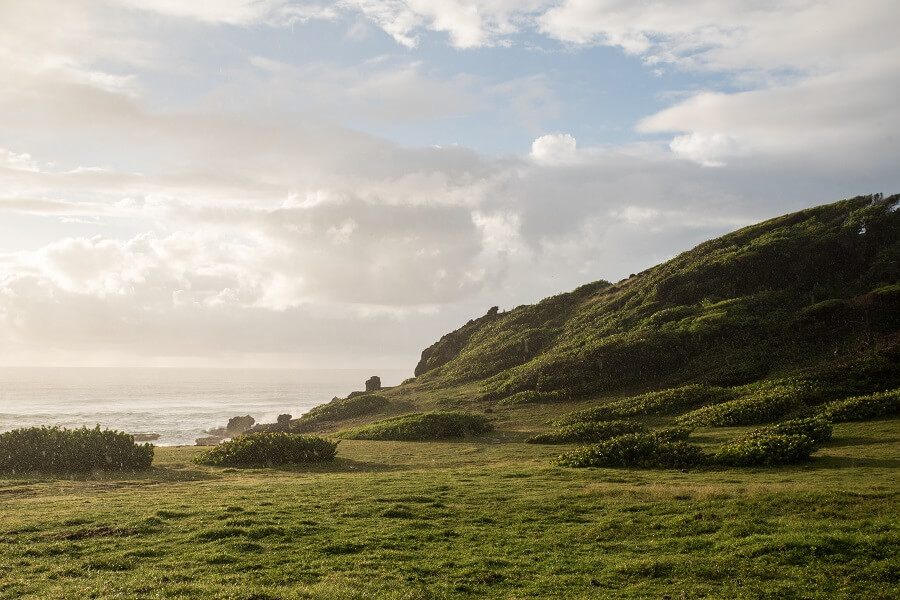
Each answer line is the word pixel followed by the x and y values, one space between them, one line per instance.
pixel 422 426
pixel 267 448
pixel 813 288
pixel 723 425
pixel 59 450
pixel 338 409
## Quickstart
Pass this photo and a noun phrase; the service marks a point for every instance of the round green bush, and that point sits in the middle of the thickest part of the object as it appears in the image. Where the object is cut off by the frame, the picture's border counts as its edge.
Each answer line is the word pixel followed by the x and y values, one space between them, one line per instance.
pixel 645 450
pixel 422 426
pixel 267 448
pixel 587 432
pixel 59 450
pixel 766 449
pixel 815 428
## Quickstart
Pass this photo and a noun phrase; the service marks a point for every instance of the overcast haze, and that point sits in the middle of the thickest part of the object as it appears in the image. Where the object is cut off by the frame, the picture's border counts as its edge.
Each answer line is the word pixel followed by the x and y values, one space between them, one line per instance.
pixel 301 184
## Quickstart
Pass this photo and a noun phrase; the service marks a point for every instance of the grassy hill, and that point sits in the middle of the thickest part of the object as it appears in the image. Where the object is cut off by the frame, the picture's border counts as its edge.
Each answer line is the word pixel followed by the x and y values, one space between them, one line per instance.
pixel 813 287
pixel 814 294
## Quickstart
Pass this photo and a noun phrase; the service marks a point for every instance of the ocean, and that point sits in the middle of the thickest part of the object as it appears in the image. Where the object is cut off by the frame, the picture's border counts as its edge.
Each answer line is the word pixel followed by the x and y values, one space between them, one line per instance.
pixel 178 404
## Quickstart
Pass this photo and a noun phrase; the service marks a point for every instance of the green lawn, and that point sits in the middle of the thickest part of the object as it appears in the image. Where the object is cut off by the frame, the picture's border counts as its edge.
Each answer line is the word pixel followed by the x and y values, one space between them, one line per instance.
pixel 483 518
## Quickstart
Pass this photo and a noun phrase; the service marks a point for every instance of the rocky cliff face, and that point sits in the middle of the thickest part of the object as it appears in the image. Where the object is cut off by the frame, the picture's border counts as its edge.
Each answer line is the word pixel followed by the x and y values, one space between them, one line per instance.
pixel 449 346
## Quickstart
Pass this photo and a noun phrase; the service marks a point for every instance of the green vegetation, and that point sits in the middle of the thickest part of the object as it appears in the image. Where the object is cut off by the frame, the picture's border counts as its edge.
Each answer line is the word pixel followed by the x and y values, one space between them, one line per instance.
pixel 469 519
pixel 763 402
pixel 645 450
pixel 422 426
pixel 766 449
pixel 812 289
pixel 533 397
pixel 339 409
pixel 267 448
pixel 859 408
pixel 664 402
pixel 56 450
pixel 815 428
pixel 792 323
pixel 587 432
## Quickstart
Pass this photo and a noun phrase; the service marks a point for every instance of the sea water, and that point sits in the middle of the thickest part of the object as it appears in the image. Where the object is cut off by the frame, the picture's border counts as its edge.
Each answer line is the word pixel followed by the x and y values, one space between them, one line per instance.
pixel 178 404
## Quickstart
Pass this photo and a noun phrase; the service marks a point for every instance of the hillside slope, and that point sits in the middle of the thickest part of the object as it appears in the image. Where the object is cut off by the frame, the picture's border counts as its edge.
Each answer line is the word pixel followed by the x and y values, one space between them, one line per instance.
pixel 816 287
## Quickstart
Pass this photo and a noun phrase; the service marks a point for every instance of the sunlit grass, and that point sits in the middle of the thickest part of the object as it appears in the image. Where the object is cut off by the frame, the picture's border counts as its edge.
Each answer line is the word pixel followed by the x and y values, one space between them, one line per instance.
pixel 478 518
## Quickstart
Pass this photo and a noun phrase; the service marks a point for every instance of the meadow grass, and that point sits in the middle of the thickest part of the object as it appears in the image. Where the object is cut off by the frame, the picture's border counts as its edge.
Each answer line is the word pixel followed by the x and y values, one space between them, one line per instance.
pixel 485 517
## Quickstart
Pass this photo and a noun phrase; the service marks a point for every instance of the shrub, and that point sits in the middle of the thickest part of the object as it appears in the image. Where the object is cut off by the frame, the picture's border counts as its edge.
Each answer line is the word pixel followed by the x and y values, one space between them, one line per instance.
pixel 634 450
pixel 269 448
pixel 663 402
pixel 673 434
pixel 764 403
pixel 55 450
pixel 533 397
pixel 338 410
pixel 766 449
pixel 859 408
pixel 588 432
pixel 815 428
pixel 422 426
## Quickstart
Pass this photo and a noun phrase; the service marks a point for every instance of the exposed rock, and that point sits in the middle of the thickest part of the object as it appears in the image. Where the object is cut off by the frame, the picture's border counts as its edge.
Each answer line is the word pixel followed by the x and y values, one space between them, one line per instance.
pixel 450 345
pixel 145 436
pixel 238 425
pixel 373 384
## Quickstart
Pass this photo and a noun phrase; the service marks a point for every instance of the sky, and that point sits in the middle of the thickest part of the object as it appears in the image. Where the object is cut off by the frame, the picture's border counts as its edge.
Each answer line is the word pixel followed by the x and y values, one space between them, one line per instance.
pixel 277 183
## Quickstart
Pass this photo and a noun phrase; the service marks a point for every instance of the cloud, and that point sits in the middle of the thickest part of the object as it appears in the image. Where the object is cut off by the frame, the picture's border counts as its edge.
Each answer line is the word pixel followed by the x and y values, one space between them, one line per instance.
pixel 831 119
pixel 555 148
pixel 238 12
pixel 254 217
pixel 709 150
pixel 468 23
pixel 730 35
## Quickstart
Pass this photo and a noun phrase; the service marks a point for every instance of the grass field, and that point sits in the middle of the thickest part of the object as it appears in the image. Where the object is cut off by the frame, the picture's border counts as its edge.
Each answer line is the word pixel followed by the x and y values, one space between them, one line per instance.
pixel 488 517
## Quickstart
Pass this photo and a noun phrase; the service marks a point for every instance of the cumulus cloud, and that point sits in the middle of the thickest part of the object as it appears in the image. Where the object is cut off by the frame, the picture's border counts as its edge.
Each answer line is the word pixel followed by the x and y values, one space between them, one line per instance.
pixel 709 150
pixel 554 149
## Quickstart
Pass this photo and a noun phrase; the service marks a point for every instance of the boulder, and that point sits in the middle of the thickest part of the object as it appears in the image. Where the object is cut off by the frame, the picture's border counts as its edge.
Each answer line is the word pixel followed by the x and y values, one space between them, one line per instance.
pixel 238 425
pixel 373 384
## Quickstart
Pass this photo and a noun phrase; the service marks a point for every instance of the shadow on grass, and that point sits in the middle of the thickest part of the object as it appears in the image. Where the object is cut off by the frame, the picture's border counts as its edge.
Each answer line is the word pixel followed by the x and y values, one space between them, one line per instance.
pixel 338 465
pixel 838 442
pixel 850 462
pixel 10 483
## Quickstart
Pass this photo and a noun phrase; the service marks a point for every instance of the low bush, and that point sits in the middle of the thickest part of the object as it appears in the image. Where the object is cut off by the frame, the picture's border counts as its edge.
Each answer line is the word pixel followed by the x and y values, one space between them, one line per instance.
pixel 664 402
pixel 58 450
pixel 673 434
pixel 267 448
pixel 534 397
pixel 815 428
pixel 338 410
pixel 762 403
pixel 766 449
pixel 645 450
pixel 859 408
pixel 422 426
pixel 604 412
pixel 587 432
